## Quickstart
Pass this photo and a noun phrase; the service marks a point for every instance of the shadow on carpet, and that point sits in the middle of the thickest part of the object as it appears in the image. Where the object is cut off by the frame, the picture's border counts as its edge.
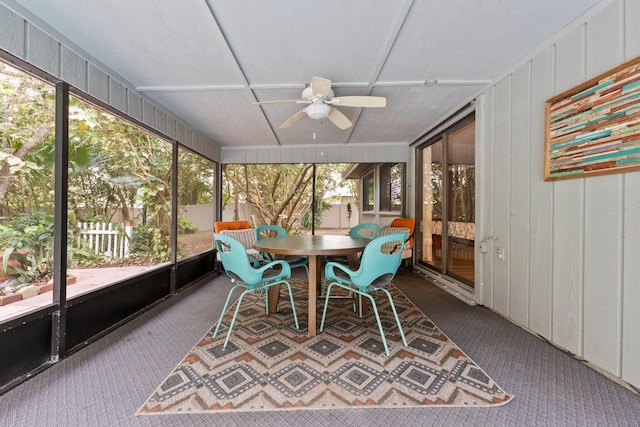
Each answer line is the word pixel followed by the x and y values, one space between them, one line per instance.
pixel 270 365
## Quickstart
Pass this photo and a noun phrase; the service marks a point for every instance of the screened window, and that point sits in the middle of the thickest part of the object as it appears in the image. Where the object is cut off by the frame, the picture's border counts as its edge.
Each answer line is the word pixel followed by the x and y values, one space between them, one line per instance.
pixel 27 111
pixel 369 188
pixel 196 189
pixel 391 187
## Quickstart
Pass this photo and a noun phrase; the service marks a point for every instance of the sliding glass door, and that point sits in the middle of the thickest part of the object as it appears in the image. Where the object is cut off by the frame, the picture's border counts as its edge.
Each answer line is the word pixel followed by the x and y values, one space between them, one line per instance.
pixel 446 170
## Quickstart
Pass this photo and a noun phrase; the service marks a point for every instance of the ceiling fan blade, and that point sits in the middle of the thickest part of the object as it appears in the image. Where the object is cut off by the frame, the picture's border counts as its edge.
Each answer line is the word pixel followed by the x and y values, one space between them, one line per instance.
pixel 339 119
pixel 359 101
pixel 320 86
pixel 280 101
pixel 291 120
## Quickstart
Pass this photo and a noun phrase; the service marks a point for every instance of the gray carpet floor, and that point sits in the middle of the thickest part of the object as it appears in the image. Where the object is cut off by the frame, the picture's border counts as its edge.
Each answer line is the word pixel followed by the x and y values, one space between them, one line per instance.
pixel 105 383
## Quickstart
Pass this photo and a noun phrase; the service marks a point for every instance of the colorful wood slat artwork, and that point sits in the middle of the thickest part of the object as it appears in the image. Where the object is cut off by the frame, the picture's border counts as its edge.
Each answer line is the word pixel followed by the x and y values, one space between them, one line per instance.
pixel 594 128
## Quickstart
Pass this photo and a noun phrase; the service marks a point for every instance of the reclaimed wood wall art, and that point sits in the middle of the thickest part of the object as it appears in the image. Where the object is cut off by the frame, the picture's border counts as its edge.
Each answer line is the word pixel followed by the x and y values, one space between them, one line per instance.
pixel 594 128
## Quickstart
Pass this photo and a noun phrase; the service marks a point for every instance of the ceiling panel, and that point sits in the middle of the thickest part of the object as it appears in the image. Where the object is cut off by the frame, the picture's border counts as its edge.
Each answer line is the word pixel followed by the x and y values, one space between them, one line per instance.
pixel 207 61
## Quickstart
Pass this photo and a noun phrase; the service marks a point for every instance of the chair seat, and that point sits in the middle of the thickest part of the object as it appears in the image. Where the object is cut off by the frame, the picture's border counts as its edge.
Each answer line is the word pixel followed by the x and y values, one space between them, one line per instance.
pixel 267 276
pixel 295 259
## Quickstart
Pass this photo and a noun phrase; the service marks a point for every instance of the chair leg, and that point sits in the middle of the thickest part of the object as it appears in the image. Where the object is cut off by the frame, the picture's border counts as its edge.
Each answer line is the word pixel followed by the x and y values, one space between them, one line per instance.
pixel 326 303
pixel 375 311
pixel 293 306
pixel 395 313
pixel 233 320
pixel 224 310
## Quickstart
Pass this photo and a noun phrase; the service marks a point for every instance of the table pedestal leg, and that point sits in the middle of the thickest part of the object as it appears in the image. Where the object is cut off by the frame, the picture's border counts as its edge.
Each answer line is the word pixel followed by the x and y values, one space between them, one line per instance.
pixel 274 297
pixel 314 273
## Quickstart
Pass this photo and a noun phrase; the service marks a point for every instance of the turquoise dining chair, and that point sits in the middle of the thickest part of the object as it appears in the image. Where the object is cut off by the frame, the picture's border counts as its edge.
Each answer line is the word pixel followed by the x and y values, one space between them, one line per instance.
pixel 375 273
pixel 268 231
pixel 366 230
pixel 244 275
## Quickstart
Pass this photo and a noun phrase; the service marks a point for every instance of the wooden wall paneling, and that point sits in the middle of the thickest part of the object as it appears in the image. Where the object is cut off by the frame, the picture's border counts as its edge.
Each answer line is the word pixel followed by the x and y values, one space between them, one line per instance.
pixel 368 155
pixel 297 154
pixel 214 151
pixel 180 131
pixel 172 127
pixel 352 151
pixel 149 114
pixel 519 197
pixel 568 215
pixel 271 156
pixel 286 156
pixel 485 190
pixel 347 152
pixel 568 224
pixel 502 205
pixel 11 32
pixel 315 154
pixel 384 152
pixel 134 106
pixel 118 95
pixel 603 218
pixel 631 279
pixel 161 120
pixel 43 51
pixel 541 209
pixel 632 29
pixel 73 68
pixel 188 137
pixel 227 156
pixel 98 83
pixel 333 154
pixel 602 273
pixel 604 40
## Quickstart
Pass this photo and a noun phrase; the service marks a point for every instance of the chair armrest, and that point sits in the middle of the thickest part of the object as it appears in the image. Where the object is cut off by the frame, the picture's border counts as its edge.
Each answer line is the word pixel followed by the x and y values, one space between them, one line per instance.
pixel 329 273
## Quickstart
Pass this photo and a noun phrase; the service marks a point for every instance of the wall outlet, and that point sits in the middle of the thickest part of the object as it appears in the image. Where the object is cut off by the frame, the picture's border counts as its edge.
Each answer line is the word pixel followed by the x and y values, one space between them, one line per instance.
pixel 500 253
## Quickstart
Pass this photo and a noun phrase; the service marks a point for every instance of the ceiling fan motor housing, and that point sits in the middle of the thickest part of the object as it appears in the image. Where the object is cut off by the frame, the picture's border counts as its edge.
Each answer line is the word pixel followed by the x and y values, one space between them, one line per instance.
pixel 318 110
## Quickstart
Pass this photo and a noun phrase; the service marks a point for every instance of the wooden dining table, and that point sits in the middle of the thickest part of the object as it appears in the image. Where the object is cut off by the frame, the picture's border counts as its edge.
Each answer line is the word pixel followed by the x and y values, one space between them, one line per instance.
pixel 315 247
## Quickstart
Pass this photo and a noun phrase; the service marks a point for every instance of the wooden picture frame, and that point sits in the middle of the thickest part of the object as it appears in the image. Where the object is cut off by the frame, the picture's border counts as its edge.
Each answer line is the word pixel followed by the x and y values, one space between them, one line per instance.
pixel 594 128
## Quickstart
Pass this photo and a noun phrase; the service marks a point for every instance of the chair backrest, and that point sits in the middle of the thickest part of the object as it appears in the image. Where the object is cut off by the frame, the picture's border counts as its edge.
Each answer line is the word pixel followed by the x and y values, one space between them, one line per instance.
pixel 235 261
pixel 375 263
pixel 218 226
pixel 246 236
pixel 366 230
pixel 268 231
pixel 409 223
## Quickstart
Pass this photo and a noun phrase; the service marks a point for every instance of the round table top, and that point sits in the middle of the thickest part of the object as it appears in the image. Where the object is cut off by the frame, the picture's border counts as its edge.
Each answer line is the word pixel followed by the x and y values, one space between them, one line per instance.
pixel 311 245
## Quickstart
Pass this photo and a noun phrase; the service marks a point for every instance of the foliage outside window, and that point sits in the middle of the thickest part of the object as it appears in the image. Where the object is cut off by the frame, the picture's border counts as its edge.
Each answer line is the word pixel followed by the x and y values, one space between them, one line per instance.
pixel 391 184
pixel 119 174
pixel 368 190
pixel 279 194
pixel 195 203
pixel 27 109
pixel 462 178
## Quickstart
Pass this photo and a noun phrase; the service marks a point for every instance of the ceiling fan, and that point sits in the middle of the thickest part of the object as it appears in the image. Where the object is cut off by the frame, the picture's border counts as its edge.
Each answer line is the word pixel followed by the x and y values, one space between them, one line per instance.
pixel 319 96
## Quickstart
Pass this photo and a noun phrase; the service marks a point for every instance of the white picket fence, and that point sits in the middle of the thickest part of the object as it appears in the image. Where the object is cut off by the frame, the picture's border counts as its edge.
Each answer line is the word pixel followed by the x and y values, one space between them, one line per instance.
pixel 104 238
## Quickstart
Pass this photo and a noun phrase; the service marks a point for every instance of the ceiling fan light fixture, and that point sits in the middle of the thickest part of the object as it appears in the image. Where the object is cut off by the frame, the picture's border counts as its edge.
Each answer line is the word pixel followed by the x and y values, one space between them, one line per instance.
pixel 318 110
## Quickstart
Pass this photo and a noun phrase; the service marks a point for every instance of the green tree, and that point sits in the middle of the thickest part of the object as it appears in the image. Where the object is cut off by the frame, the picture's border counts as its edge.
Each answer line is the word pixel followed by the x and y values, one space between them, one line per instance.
pixel 280 194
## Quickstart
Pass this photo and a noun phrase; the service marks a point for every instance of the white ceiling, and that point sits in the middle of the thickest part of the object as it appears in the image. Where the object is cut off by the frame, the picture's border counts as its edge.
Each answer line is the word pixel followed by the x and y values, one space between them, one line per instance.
pixel 206 61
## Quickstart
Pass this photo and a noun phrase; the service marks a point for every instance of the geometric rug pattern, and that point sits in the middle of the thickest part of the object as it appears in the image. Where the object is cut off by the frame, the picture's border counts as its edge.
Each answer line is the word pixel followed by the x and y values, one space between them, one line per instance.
pixel 270 365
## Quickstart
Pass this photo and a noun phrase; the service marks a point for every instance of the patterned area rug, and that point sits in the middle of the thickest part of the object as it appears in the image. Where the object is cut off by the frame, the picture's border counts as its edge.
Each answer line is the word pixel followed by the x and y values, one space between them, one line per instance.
pixel 271 365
